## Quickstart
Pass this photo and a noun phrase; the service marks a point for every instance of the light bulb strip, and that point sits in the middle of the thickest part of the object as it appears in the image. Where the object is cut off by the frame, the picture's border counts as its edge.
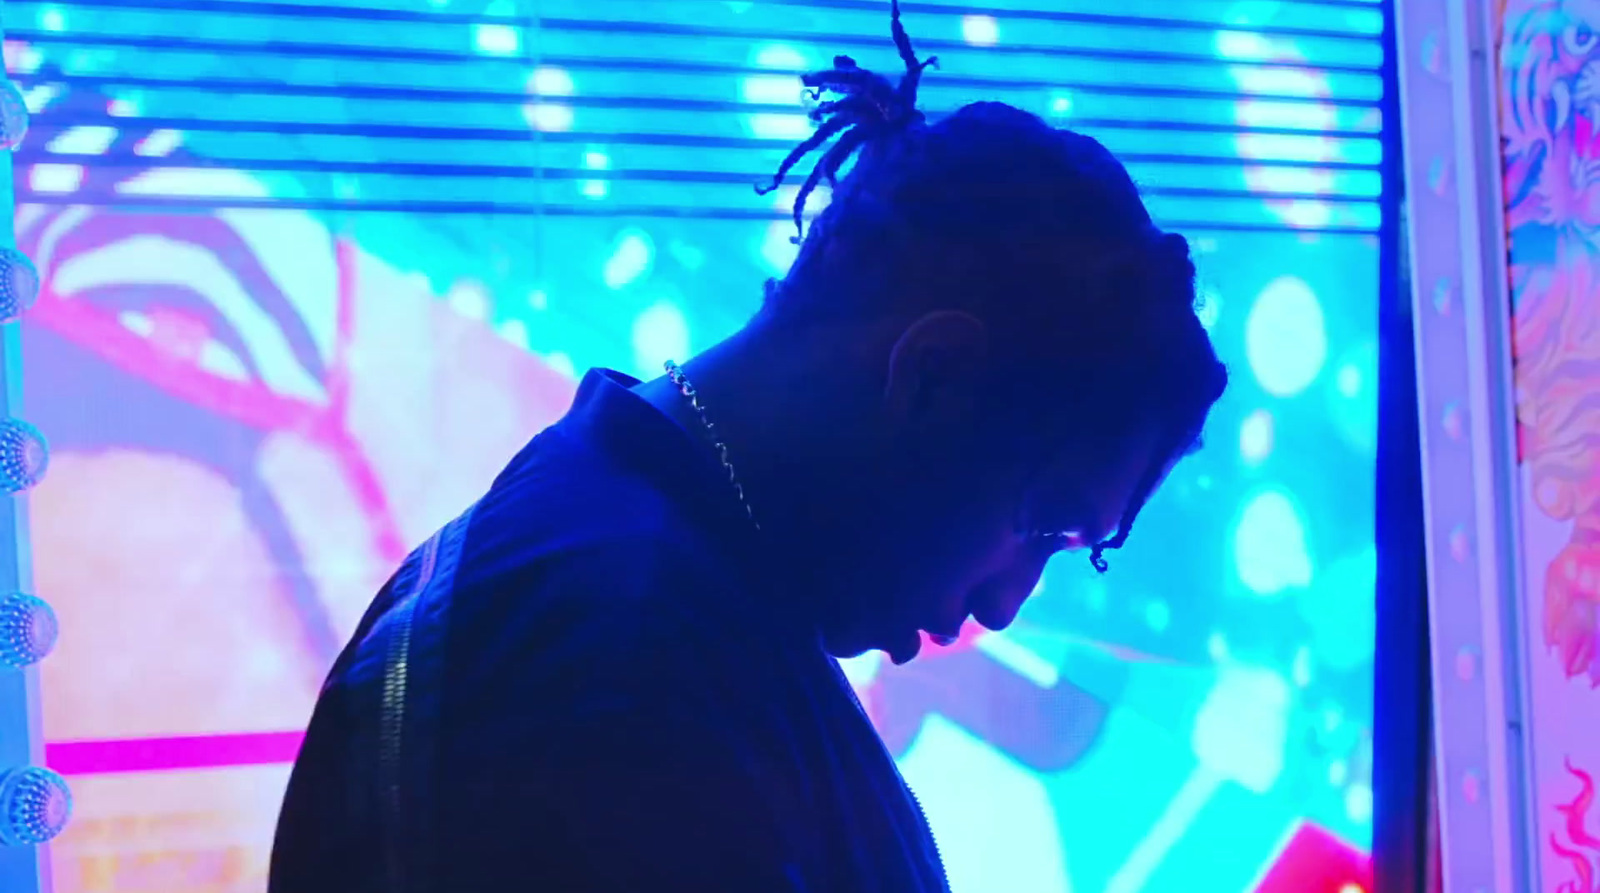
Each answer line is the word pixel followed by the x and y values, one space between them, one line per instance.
pixel 35 802
pixel 1458 284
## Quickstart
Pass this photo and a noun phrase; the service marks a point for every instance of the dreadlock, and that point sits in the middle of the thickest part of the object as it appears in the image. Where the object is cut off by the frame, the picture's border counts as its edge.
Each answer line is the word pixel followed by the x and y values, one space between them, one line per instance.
pixel 868 107
pixel 993 210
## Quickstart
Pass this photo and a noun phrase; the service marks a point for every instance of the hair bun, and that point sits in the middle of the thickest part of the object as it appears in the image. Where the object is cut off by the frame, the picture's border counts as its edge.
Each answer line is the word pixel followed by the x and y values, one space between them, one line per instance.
pixel 868 107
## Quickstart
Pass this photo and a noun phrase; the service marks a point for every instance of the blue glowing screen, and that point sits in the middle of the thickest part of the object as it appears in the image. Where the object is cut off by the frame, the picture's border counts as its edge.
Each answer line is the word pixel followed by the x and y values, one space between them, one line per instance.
pixel 311 273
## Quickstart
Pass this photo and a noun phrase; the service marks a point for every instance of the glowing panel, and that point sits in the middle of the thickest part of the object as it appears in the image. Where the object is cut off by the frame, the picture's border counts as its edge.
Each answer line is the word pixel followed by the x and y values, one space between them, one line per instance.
pixel 298 258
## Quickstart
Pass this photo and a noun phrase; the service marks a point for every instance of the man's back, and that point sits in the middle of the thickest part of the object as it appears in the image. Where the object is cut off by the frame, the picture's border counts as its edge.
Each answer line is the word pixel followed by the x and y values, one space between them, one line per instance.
pixel 583 684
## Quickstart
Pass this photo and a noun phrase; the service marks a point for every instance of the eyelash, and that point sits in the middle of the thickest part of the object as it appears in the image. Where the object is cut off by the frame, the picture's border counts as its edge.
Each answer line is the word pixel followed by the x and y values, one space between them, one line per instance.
pixel 1058 539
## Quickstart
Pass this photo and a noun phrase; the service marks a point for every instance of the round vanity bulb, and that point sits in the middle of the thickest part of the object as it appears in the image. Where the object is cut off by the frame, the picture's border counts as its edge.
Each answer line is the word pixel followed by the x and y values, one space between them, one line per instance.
pixel 19 285
pixel 13 115
pixel 28 629
pixel 24 456
pixel 35 805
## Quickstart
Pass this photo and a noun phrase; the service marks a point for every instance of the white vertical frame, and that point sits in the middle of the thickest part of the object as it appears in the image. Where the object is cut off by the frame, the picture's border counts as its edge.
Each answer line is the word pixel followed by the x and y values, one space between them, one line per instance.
pixel 22 869
pixel 1449 90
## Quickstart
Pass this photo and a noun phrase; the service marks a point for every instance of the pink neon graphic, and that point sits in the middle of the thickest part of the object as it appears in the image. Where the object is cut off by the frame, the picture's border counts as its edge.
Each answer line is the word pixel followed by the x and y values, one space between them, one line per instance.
pixel 156 754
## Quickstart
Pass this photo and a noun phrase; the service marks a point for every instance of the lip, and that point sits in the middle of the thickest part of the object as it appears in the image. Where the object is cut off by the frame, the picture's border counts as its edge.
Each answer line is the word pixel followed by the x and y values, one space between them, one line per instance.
pixel 943 638
pixel 904 654
pixel 946 635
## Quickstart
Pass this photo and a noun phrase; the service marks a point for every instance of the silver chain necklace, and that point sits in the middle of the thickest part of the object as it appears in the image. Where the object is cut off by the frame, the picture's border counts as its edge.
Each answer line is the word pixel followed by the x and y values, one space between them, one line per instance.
pixel 676 374
pixel 678 377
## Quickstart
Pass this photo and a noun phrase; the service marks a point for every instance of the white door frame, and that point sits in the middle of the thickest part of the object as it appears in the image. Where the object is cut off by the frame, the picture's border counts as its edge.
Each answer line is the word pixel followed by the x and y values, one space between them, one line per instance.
pixel 1461 304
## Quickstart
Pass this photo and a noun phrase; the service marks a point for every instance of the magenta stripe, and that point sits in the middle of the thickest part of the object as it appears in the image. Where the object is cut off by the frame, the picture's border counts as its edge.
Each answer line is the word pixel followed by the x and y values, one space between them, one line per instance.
pixel 155 754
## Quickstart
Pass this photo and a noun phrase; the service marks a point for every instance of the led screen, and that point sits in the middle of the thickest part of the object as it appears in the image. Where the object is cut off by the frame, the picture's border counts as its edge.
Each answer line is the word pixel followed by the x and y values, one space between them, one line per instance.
pixel 312 273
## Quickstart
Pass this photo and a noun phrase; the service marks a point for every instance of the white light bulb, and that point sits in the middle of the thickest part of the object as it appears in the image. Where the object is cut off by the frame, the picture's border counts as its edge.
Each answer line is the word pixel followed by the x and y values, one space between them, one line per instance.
pixel 13 115
pixel 24 456
pixel 35 805
pixel 28 629
pixel 19 284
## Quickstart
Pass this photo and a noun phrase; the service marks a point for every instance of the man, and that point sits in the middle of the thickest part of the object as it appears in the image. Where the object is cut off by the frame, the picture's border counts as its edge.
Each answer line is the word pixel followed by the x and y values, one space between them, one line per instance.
pixel 616 672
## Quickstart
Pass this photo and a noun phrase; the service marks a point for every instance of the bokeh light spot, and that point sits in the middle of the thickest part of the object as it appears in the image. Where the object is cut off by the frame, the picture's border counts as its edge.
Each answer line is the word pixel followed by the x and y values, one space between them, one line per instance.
pixel 1269 545
pixel 561 363
pixel 1217 647
pixel 514 332
pixel 1242 727
pixel 545 83
pixel 1255 436
pixel 548 117
pixel 775 126
pixel 1300 669
pixel 980 30
pixel 1243 45
pixel 1349 381
pixel 660 333
pixel 1358 803
pixel 497 40
pixel 1285 341
pixel 630 259
pixel 470 300
pixel 781 56
pixel 1157 615
pixel 549 80
pixel 778 89
pixel 1353 396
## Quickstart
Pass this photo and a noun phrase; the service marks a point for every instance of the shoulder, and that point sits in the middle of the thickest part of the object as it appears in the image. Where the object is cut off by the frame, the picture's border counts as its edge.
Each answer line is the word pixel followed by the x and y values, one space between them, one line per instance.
pixel 603 546
pixel 561 506
pixel 586 576
pixel 608 637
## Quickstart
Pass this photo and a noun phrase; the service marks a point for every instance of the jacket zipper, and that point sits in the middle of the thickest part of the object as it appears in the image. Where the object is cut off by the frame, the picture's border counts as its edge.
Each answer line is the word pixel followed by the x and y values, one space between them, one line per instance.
pixel 391 722
pixel 938 857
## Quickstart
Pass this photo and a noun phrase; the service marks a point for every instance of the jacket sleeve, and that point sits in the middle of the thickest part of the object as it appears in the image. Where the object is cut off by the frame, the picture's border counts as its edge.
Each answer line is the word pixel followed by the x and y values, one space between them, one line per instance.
pixel 326 839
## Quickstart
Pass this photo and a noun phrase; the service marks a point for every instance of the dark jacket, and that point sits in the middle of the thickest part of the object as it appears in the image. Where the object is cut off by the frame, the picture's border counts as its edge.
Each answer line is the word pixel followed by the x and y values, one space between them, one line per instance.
pixel 583 684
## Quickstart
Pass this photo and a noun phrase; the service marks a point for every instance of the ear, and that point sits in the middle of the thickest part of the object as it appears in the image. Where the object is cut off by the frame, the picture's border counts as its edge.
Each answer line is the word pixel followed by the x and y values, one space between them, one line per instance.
pixel 934 370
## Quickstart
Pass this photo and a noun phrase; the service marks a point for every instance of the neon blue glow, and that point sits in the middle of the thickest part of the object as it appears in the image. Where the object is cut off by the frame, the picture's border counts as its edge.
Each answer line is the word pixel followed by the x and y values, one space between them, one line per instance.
pixel 369 244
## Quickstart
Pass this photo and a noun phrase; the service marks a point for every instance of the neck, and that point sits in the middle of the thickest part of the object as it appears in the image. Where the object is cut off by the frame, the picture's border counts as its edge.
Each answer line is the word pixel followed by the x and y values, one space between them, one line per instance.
pixel 780 409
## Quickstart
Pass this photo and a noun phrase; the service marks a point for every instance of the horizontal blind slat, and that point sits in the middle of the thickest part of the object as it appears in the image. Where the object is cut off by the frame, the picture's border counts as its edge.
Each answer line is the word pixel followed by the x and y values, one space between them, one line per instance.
pixel 1251 121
